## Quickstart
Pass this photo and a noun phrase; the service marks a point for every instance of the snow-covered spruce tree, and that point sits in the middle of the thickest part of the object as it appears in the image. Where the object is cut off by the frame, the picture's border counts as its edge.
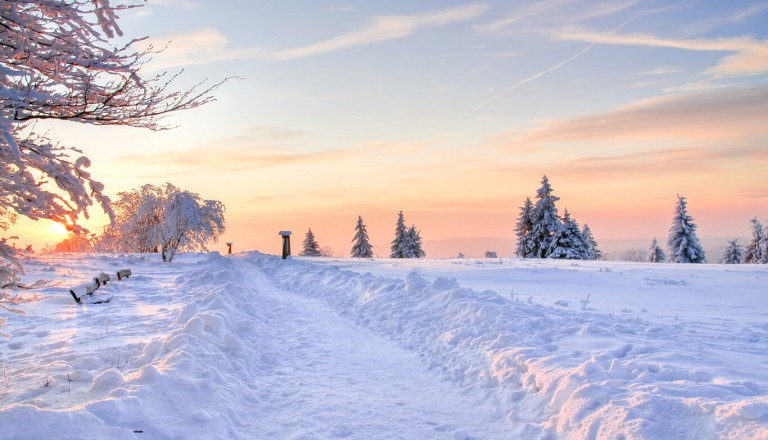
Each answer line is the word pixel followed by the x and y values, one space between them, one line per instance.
pixel 655 253
pixel 732 254
pixel 545 220
pixel 361 247
pixel 59 61
pixel 567 242
pixel 163 219
pixel 310 248
pixel 753 252
pixel 523 230
pixel 683 244
pixel 764 247
pixel 593 253
pixel 410 247
pixel 400 231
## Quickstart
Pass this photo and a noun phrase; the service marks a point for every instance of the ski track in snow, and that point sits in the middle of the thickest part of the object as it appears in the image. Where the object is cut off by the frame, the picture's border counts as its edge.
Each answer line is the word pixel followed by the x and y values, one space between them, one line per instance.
pixel 251 346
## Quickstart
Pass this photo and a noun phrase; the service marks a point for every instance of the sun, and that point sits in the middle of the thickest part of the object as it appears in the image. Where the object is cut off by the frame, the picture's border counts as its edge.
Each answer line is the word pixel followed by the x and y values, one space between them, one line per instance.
pixel 58 230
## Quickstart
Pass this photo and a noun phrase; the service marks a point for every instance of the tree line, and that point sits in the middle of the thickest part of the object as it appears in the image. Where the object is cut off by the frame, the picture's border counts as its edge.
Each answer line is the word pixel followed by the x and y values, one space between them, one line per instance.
pixel 406 244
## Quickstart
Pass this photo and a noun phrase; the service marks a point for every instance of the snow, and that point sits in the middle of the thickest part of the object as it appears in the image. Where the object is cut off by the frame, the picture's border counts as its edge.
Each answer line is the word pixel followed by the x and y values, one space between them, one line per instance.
pixel 252 346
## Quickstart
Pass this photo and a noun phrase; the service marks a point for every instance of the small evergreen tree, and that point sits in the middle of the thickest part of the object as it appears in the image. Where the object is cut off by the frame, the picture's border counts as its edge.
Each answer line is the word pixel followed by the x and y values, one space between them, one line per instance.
pixel 655 253
pixel 523 230
pixel 567 242
pixel 684 246
pixel 593 253
pixel 400 231
pixel 545 222
pixel 753 253
pixel 732 254
pixel 410 247
pixel 310 248
pixel 764 247
pixel 361 247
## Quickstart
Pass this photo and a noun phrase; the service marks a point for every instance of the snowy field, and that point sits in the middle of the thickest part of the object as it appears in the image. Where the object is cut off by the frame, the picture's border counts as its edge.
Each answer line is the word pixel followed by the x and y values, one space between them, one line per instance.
pixel 253 347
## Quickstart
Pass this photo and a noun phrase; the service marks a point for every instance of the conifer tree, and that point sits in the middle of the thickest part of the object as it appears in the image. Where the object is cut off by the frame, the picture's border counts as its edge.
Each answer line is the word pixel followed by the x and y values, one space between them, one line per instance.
pixel 732 254
pixel 753 253
pixel 655 253
pixel 361 247
pixel 410 246
pixel 545 220
pixel 593 253
pixel 310 248
pixel 523 230
pixel 764 247
pixel 567 242
pixel 400 231
pixel 684 246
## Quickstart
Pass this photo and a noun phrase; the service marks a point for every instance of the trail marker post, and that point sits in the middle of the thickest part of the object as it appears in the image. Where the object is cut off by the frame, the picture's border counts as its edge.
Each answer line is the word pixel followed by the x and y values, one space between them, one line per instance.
pixel 286 243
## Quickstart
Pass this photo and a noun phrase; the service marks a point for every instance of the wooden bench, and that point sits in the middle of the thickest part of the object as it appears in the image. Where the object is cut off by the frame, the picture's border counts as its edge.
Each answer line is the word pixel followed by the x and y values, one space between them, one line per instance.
pixel 123 273
pixel 79 291
pixel 86 290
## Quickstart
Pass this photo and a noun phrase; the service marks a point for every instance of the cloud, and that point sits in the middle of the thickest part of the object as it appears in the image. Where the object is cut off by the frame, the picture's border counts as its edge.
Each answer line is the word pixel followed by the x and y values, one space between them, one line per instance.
pixel 256 157
pixel 709 116
pixel 749 56
pixel 201 46
pixel 209 45
pixel 383 28
pixel 532 15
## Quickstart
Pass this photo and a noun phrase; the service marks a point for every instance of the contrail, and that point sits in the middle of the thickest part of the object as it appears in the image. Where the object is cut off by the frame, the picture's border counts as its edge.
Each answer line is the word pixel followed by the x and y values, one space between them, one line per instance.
pixel 562 63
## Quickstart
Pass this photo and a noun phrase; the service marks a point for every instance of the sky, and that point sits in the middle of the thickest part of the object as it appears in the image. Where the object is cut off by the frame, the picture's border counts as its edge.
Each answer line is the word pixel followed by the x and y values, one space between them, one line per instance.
pixel 451 111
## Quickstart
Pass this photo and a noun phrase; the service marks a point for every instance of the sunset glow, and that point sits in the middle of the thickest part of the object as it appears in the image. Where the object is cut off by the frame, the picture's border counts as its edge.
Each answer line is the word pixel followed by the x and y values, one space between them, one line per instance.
pixel 452 113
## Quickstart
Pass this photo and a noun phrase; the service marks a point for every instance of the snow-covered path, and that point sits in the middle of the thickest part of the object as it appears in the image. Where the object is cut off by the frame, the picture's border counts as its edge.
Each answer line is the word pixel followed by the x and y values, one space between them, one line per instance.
pixel 335 379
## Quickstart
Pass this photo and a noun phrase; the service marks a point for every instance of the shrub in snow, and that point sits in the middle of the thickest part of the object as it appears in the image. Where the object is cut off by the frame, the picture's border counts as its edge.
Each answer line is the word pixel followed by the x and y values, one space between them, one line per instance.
pixel 361 247
pixel 60 60
pixel 684 246
pixel 655 253
pixel 310 248
pixel 732 254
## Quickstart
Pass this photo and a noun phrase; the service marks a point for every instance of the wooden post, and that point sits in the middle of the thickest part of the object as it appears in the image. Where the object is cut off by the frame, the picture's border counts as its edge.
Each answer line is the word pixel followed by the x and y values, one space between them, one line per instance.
pixel 229 246
pixel 286 243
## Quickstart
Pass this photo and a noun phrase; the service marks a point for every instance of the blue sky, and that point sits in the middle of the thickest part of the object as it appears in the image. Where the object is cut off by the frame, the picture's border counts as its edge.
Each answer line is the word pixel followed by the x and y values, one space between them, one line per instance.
pixel 452 111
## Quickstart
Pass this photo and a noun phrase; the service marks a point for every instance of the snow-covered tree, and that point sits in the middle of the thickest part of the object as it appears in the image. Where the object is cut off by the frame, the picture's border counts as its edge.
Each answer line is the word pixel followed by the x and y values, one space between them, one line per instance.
pixel 567 242
pixel 545 220
pixel 310 247
pixel 400 231
pixel 361 247
pixel 753 252
pixel 732 254
pixel 59 61
pixel 655 253
pixel 683 244
pixel 593 253
pixel 163 219
pixel 523 230
pixel 410 246
pixel 764 247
